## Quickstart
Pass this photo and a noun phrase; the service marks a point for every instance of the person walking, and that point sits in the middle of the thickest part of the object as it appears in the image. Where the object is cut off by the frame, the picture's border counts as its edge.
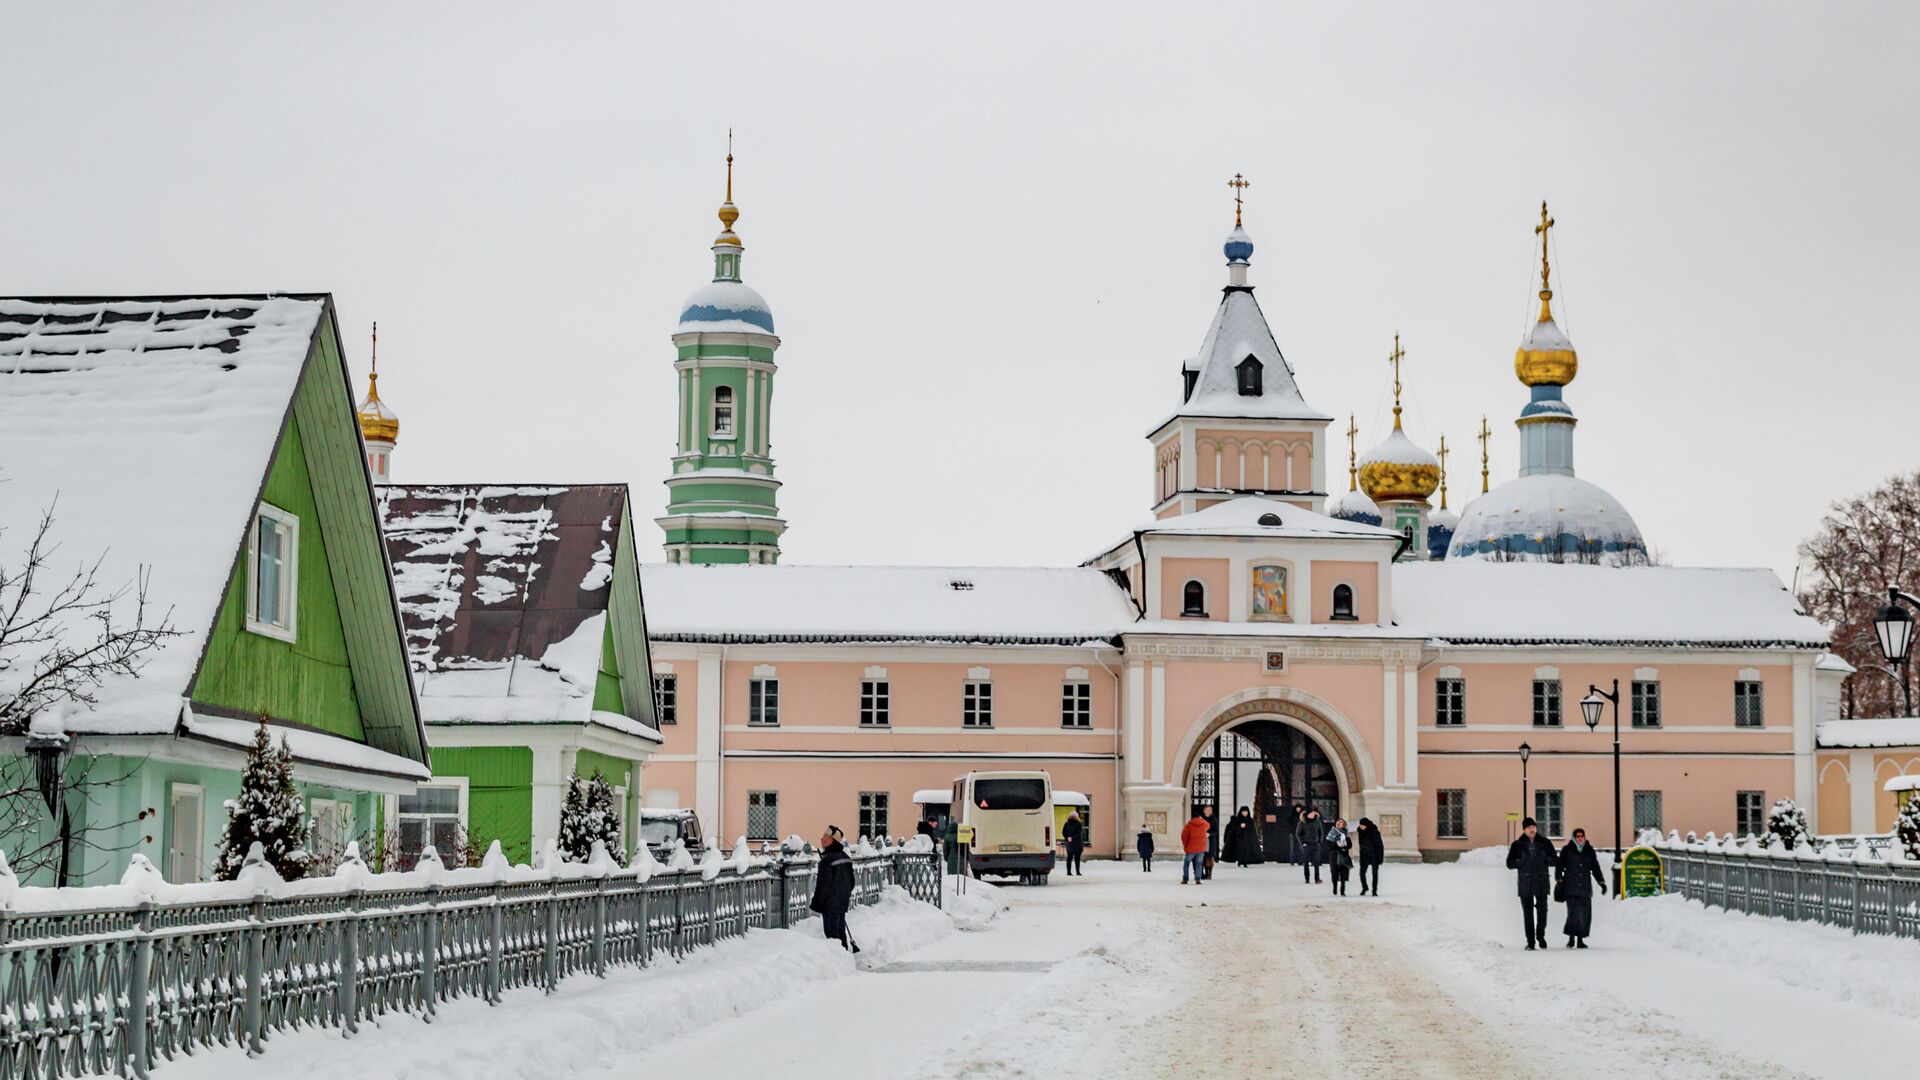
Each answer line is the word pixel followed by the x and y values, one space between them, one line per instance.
pixel 1075 835
pixel 1144 844
pixel 833 887
pixel 1308 837
pixel 1339 845
pixel 1372 852
pixel 1533 857
pixel 1292 822
pixel 1579 870
pixel 1193 849
pixel 1240 838
pixel 1213 841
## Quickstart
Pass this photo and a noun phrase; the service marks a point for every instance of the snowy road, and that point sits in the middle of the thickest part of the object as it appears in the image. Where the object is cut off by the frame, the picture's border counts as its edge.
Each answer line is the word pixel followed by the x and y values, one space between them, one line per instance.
pixel 1123 975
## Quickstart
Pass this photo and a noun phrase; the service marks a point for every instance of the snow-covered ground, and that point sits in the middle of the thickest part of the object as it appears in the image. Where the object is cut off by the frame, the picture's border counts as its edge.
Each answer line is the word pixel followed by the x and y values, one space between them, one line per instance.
pixel 1122 974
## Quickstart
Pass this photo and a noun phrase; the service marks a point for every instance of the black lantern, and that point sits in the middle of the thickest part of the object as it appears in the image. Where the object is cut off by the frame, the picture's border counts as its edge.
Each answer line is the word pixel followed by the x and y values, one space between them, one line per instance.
pixel 49 754
pixel 1590 707
pixel 1894 627
pixel 1525 753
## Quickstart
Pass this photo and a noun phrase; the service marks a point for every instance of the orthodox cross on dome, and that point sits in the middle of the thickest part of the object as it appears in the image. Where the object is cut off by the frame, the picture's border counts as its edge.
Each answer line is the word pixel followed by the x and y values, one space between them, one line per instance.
pixel 1546 271
pixel 1397 355
pixel 1443 471
pixel 1484 435
pixel 1239 185
pixel 1353 460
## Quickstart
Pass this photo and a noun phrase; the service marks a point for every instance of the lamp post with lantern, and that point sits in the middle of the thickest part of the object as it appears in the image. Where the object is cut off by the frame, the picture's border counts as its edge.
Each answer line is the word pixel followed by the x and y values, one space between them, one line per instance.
pixel 1590 707
pixel 1894 627
pixel 1525 753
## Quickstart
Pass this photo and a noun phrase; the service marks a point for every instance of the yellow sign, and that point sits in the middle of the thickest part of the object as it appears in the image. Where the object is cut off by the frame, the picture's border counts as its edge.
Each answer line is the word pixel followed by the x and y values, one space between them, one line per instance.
pixel 1513 815
pixel 965 835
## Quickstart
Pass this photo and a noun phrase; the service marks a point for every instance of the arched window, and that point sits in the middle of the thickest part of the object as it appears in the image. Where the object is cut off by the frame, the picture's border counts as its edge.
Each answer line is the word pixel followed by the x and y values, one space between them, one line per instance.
pixel 1249 371
pixel 1343 602
pixel 723 412
pixel 1193 600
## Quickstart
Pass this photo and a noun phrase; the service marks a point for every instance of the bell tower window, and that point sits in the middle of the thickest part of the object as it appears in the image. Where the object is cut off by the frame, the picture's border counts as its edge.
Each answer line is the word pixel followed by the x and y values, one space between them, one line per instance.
pixel 1343 602
pixel 723 412
pixel 1249 372
pixel 1187 379
pixel 1193 600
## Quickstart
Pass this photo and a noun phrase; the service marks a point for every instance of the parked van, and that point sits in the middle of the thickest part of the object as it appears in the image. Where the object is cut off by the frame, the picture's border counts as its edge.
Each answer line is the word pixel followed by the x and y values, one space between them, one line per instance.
pixel 1012 818
pixel 660 828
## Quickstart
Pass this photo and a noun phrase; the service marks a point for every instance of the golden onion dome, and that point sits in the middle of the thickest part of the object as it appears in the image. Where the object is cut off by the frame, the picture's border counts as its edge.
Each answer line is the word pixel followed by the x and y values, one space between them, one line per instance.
pixel 1545 356
pixel 377 422
pixel 1398 471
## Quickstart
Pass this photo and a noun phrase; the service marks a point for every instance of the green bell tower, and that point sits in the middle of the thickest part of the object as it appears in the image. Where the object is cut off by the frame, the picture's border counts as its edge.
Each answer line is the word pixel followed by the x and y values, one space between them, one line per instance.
pixel 721 497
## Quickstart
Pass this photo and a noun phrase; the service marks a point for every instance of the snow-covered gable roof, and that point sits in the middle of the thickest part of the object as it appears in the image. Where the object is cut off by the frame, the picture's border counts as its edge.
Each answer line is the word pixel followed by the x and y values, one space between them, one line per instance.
pixel 1525 603
pixel 1240 330
pixel 1248 516
pixel 504 591
pixel 974 605
pixel 1874 731
pixel 152 423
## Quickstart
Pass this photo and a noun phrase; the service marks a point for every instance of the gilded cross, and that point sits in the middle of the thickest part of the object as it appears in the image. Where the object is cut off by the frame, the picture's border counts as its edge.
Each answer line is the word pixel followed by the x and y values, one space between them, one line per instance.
pixel 1443 471
pixel 1540 230
pixel 1353 466
pixel 1239 185
pixel 1397 355
pixel 1484 435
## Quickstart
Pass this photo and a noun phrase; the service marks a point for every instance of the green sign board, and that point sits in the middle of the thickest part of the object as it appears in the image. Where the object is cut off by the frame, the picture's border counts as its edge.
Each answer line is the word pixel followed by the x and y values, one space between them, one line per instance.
pixel 1643 873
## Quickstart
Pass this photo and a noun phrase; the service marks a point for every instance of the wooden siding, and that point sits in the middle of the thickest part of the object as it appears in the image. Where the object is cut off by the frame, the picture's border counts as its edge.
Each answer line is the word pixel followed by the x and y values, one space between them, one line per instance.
pixel 618 771
pixel 607 695
pixel 499 794
pixel 627 624
pixel 343 494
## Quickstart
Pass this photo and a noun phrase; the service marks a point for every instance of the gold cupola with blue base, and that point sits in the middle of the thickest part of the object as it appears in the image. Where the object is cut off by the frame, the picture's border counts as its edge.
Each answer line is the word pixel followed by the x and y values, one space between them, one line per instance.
pixel 1547 513
pixel 1399 476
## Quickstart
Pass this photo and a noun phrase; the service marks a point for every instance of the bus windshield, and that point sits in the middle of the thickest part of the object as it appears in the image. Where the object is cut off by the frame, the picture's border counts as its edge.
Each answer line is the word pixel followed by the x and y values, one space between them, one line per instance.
pixel 1010 794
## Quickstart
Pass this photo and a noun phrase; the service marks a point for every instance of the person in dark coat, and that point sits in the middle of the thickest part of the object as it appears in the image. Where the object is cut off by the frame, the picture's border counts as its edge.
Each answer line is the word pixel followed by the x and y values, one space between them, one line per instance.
pixel 1292 821
pixel 833 887
pixel 929 829
pixel 1213 841
pixel 1241 845
pixel 1339 846
pixel 1372 852
pixel 1144 844
pixel 1308 837
pixel 1533 857
pixel 1075 834
pixel 1579 870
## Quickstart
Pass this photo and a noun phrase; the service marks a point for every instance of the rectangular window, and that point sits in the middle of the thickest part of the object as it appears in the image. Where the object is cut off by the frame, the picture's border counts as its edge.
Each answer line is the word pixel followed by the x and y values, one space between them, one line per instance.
pixel 1750 813
pixel 873 814
pixel 273 547
pixel 875 703
pixel 763 703
pixel 976 705
pixel 1746 704
pixel 330 829
pixel 666 698
pixel 1546 703
pixel 1646 811
pixel 434 814
pixel 186 829
pixel 763 815
pixel 1646 703
pixel 1450 702
pixel 1549 806
pixel 1076 705
pixel 1450 817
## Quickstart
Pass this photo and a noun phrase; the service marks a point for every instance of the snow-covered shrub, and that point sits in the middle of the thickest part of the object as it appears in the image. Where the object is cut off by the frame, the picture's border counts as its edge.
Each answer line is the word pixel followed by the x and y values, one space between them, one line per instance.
pixel 589 815
pixel 1907 826
pixel 1789 823
pixel 269 812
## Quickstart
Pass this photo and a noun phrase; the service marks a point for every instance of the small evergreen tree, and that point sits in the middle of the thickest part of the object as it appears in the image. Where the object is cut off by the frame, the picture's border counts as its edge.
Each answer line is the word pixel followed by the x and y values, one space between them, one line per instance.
pixel 269 810
pixel 1907 826
pixel 589 815
pixel 1788 822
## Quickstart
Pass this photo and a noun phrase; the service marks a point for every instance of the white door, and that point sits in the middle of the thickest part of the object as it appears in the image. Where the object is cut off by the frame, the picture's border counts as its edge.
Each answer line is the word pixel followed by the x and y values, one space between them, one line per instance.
pixel 186 824
pixel 332 829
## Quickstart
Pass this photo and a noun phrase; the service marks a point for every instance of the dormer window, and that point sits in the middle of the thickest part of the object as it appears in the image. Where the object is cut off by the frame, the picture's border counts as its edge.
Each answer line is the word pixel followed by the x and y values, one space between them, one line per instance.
pixel 1187 379
pixel 723 412
pixel 1193 601
pixel 1249 371
pixel 1343 602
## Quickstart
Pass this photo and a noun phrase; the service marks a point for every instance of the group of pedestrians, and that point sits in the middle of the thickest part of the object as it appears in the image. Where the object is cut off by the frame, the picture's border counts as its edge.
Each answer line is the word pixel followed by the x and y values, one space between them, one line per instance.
pixel 1311 843
pixel 1567 874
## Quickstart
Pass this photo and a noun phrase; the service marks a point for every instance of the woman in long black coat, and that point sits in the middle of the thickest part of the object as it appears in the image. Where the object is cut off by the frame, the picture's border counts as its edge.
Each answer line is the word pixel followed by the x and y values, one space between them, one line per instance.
pixel 1372 852
pixel 1578 871
pixel 1240 843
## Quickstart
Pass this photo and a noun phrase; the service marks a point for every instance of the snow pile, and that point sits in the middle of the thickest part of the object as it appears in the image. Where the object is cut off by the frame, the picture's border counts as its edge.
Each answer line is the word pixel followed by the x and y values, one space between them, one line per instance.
pixel 1495 856
pixel 1875 731
pixel 974 908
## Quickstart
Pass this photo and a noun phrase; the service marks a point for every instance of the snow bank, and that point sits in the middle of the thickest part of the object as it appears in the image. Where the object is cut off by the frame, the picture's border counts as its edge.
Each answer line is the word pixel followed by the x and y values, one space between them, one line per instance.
pixel 1495 856
pixel 975 908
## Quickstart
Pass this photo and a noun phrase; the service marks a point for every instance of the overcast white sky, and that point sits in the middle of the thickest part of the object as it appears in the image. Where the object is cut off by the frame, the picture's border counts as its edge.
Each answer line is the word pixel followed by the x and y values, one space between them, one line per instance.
pixel 990 235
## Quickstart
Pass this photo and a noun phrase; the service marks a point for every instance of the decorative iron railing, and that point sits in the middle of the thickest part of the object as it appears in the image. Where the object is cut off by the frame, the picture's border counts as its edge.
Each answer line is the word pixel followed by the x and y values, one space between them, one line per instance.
pixel 1866 890
pixel 121 979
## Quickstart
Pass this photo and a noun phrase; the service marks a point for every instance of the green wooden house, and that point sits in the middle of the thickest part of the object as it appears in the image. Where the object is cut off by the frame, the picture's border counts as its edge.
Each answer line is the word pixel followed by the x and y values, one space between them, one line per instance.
pixel 207 447
pixel 529 647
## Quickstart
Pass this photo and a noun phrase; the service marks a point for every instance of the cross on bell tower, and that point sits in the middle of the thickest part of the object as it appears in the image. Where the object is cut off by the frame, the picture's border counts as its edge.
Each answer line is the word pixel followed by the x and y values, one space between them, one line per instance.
pixel 1239 185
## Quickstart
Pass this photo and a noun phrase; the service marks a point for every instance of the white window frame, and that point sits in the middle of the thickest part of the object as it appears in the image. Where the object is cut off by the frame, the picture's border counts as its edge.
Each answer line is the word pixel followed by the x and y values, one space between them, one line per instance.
pixel 1558 821
pixel 1450 709
pixel 393 803
pixel 199 855
pixel 876 702
pixel 731 405
pixel 1757 709
pixel 773 833
pixel 874 804
pixel 289 573
pixel 763 701
pixel 1644 698
pixel 1076 705
pixel 976 704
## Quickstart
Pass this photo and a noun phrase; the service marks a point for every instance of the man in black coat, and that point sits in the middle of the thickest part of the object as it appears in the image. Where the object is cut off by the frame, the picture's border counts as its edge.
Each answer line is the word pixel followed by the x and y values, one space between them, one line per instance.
pixel 1373 852
pixel 1532 855
pixel 833 887
pixel 1307 839
pixel 1240 846
pixel 1074 833
pixel 1290 820
pixel 1579 871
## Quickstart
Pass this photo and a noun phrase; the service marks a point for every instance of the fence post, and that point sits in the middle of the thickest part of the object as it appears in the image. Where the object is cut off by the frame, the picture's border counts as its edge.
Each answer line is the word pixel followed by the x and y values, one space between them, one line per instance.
pixel 1858 895
pixel 430 952
pixel 551 954
pixel 253 1011
pixel 646 924
pixel 600 927
pixel 780 888
pixel 139 975
pixel 496 946
pixel 349 996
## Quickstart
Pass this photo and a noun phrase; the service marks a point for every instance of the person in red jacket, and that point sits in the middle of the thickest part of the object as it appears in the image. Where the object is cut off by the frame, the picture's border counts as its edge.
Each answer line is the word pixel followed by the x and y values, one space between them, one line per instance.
pixel 1193 843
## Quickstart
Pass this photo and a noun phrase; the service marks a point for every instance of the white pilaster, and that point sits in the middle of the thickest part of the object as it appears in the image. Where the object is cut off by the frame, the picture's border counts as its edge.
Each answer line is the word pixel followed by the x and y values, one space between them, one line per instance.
pixel 1806 782
pixel 1159 727
pixel 706 743
pixel 1389 725
pixel 1136 726
pixel 551 770
pixel 1861 788
pixel 1410 730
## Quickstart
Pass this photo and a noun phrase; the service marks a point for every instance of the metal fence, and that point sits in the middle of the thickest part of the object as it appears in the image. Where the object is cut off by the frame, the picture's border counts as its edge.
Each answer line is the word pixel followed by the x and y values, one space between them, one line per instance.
pixel 1866 895
pixel 93 988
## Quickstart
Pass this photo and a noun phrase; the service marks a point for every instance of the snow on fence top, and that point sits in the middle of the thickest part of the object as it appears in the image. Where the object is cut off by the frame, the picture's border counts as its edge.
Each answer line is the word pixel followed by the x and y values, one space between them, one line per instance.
pixel 1876 731
pixel 147 427
pixel 996 605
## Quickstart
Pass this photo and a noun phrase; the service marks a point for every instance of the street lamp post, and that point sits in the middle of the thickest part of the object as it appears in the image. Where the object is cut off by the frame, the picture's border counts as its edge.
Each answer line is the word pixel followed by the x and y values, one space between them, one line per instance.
pixel 1894 627
pixel 1590 707
pixel 1525 753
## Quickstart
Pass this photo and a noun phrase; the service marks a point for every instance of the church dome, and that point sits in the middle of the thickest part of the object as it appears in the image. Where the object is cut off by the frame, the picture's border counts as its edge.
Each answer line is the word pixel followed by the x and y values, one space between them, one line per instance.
pixel 1545 356
pixel 725 307
pixel 378 423
pixel 1239 246
pixel 1398 470
pixel 1548 516
pixel 1354 506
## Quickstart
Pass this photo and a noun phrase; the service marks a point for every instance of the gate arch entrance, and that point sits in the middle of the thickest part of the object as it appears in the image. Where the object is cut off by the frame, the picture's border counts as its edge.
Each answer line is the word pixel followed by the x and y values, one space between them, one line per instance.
pixel 1269 766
